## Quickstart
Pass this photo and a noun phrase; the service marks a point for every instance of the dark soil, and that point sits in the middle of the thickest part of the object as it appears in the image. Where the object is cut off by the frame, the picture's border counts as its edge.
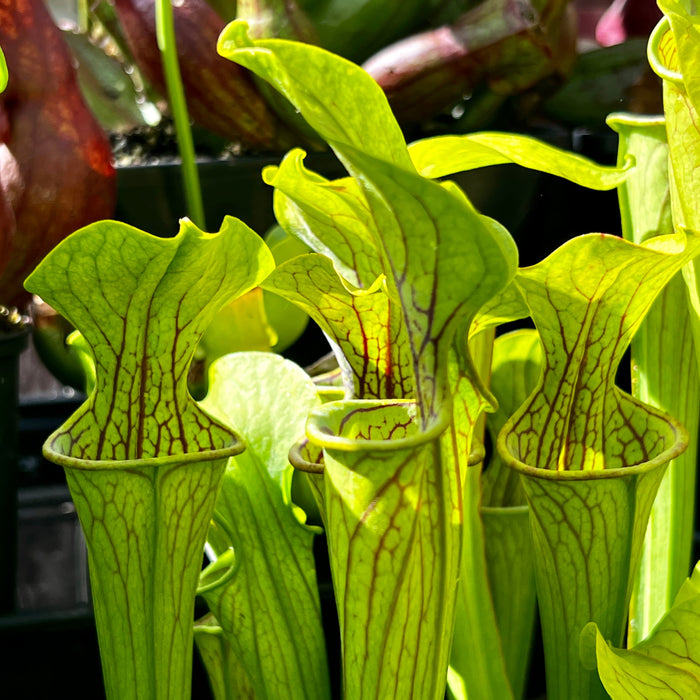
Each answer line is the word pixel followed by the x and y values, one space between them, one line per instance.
pixel 158 144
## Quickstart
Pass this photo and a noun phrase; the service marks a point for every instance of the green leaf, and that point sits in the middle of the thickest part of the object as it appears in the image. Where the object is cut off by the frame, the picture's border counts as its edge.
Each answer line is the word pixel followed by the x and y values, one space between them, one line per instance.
pixel 143 461
pixel 262 589
pixel 4 75
pixel 666 665
pixel 444 155
pixel 331 217
pixel 358 321
pixel 421 231
pixel 353 109
pixel 136 300
pixel 586 316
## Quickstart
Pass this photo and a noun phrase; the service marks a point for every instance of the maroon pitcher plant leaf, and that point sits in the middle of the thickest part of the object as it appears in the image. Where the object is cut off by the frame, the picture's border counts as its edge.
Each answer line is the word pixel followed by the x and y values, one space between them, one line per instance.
pixel 509 45
pixel 221 96
pixel 56 173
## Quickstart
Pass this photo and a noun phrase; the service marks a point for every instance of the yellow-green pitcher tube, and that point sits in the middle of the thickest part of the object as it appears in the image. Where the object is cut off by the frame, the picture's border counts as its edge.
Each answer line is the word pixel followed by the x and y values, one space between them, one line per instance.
pixel 509 555
pixel 587 533
pixel 680 112
pixel 143 461
pixel 393 520
pixel 477 665
pixel 664 373
pixel 145 524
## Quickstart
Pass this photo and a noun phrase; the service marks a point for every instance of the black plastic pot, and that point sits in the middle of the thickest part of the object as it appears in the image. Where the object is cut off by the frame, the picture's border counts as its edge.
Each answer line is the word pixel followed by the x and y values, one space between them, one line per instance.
pixel 11 345
pixel 151 196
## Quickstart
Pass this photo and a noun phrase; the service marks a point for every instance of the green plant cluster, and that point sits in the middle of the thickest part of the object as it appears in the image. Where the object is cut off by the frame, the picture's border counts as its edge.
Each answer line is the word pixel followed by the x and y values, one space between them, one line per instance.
pixel 437 560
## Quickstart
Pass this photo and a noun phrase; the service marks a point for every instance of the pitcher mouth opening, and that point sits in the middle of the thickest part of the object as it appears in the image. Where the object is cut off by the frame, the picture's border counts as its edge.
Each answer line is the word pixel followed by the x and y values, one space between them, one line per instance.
pixel 67 461
pixel 331 425
pixel 654 53
pixel 676 448
pixel 299 462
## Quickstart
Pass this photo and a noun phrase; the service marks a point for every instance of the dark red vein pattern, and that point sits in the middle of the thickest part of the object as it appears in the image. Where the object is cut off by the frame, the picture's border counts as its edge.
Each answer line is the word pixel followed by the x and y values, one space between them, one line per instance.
pixel 141 304
pixel 590 455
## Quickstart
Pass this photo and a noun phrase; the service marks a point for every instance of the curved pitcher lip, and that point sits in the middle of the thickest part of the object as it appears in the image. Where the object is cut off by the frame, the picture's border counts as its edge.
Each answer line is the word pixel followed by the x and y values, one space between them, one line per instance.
pixel 236 446
pixel 327 439
pixel 663 26
pixel 680 444
pixel 477 454
pixel 476 457
pixel 220 571
pixel 303 465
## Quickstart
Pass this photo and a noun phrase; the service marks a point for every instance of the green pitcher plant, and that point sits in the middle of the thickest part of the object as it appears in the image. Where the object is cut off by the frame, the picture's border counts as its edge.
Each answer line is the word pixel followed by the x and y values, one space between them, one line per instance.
pixel 590 456
pixel 382 447
pixel 442 524
pixel 143 461
pixel 663 197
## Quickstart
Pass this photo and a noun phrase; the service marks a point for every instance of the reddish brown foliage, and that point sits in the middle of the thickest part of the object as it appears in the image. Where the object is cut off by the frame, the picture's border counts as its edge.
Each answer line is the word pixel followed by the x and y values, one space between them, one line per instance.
pixel 221 95
pixel 56 173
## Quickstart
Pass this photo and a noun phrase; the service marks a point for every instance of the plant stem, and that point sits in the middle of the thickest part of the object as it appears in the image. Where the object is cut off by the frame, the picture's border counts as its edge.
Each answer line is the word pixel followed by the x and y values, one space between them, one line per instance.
pixel 477 654
pixel 478 670
pixel 165 30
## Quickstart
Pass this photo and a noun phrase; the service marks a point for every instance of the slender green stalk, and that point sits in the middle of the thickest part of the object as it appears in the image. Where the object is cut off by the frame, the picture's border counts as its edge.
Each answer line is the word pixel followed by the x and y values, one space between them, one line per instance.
pixel 477 654
pixel 498 515
pixel 509 553
pixel 477 666
pixel 165 29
